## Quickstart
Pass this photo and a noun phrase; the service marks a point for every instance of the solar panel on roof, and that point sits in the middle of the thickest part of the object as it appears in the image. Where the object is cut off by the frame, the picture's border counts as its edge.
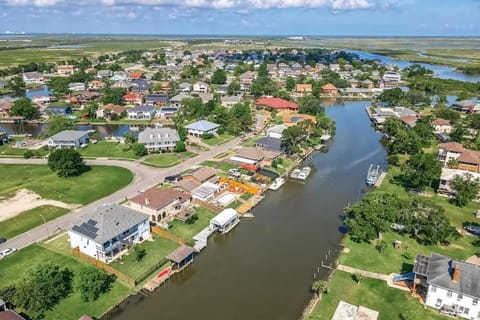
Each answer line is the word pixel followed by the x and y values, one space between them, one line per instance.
pixel 92 222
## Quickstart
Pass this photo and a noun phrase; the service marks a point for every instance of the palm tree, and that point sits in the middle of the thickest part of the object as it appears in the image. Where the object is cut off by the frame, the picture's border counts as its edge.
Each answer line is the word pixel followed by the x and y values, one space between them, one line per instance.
pixel 319 286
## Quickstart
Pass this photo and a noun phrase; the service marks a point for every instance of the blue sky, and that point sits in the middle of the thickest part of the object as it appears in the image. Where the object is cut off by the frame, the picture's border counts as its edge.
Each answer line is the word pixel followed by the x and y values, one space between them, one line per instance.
pixel 249 17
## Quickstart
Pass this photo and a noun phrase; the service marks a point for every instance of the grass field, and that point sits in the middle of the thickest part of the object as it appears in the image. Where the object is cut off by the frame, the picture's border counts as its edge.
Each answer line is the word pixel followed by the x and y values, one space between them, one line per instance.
pixel 90 186
pixel 9 150
pixel 15 267
pixel 187 231
pixel 107 149
pixel 217 140
pixel 165 160
pixel 29 219
pixel 156 251
pixel 392 304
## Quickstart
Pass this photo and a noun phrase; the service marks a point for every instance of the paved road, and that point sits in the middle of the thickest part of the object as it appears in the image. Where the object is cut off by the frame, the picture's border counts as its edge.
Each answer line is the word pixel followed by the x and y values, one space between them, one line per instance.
pixel 145 177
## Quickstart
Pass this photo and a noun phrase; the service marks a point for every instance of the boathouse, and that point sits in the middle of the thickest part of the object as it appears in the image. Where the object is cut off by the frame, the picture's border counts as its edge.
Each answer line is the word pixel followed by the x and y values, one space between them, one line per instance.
pixel 181 257
pixel 224 221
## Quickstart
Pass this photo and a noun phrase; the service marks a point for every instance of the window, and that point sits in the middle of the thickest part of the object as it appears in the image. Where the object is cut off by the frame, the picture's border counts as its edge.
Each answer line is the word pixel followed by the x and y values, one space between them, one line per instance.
pixel 474 302
pixel 433 288
pixel 439 303
pixel 466 311
pixel 449 293
pixel 460 309
pixel 460 297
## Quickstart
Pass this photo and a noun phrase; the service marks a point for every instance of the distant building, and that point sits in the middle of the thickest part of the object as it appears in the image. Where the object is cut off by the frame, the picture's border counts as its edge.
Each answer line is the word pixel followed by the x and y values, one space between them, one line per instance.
pixel 202 127
pixel 68 139
pixel 447 177
pixel 442 126
pixel 66 70
pixel 329 89
pixel 155 99
pixel 467 159
pixel 156 139
pixel 141 113
pixel 33 78
pixel 277 103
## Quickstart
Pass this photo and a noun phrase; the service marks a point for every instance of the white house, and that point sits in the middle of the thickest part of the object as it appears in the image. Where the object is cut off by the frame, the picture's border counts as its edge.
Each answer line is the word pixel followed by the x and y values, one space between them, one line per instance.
pixel 224 221
pixel 68 139
pixel 41 99
pixel 276 131
pixel 201 127
pixel 200 87
pixel 106 232
pixel 156 139
pixel 76 86
pixel 452 286
pixel 33 77
pixel 141 113
pixel 448 175
pixel 230 101
pixel 442 126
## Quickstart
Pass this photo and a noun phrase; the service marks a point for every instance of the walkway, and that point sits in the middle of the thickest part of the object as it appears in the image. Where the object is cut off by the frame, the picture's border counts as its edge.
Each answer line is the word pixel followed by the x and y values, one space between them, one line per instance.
pixel 374 275
pixel 144 177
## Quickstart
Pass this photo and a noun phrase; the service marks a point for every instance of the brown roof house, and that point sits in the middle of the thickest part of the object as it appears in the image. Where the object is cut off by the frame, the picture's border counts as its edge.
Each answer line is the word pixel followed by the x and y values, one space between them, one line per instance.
pixel 304 88
pixel 468 160
pixel 201 175
pixel 162 205
pixel 329 89
pixel 250 155
pixel 442 126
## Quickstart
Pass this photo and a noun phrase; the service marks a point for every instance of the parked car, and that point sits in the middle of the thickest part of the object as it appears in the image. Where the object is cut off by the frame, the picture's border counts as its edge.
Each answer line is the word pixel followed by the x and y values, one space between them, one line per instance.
pixel 3 240
pixel 7 252
pixel 173 178
pixel 473 229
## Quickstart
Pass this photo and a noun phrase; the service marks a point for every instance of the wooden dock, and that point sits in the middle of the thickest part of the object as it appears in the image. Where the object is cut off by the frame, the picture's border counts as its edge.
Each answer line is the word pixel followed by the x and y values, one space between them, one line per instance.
pixel 250 203
pixel 380 179
pixel 158 280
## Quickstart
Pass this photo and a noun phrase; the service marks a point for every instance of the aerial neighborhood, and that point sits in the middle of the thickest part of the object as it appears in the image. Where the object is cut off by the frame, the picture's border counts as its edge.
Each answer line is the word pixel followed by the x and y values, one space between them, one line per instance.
pixel 119 167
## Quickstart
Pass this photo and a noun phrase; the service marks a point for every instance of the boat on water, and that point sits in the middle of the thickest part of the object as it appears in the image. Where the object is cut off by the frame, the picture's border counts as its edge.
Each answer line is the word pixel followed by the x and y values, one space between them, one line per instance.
pixel 301 174
pixel 277 184
pixel 373 174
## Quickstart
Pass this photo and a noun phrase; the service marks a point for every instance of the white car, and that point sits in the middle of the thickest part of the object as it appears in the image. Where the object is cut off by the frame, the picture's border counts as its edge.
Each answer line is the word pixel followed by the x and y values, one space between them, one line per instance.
pixel 7 252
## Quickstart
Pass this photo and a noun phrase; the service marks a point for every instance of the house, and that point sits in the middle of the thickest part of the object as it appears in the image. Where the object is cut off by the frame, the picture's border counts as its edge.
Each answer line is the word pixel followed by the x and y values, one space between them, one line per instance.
pixel 156 139
pixel 66 70
pixel 68 139
pixel 391 77
pixel 200 87
pixel 367 84
pixel 33 78
pixel 167 112
pixel 467 159
pixel 230 101
pixel 161 205
pixel 76 86
pixel 101 74
pixel 303 88
pixel 133 98
pixel 135 75
pixel 201 175
pixel 224 221
pixel 452 286
pixel 110 110
pixel 329 89
pixel 205 192
pixel 140 85
pixel 202 127
pixel 176 101
pixel 185 87
pixel 186 185
pixel 447 177
pixel 5 107
pixel 409 121
pixel 58 110
pixel 276 131
pixel 124 84
pixel 96 85
pixel 442 126
pixel 251 155
pixel 466 106
pixel 206 97
pixel 277 103
pixel 269 144
pixel 41 100
pixel 155 99
pixel 106 232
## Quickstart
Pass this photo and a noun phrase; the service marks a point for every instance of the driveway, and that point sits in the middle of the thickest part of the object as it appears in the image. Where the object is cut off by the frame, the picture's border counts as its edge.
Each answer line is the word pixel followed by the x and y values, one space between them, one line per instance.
pixel 144 178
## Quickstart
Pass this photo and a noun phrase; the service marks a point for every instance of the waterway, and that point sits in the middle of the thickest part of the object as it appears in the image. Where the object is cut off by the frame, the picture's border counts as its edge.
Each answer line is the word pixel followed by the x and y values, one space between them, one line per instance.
pixel 263 269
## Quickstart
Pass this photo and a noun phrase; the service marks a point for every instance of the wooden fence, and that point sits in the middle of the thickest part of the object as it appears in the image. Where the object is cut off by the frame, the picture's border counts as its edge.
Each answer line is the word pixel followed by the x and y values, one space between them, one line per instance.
pixel 130 281
pixel 167 235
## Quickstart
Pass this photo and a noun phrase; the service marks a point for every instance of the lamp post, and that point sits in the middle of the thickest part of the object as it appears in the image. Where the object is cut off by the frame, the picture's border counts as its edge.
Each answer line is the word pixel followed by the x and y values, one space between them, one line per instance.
pixel 45 222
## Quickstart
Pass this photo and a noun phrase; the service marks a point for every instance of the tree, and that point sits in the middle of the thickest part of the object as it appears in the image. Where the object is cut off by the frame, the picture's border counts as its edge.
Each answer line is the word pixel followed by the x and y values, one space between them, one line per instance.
pixel 391 96
pixel 406 142
pixel 17 86
pixel 424 129
pixel 466 189
pixel 91 109
pixel 219 76
pixel 447 114
pixel 23 107
pixel 59 85
pixel 357 277
pixel 43 288
pixel 290 84
pixel 233 87
pixel 311 105
pixel 129 137
pixel 140 254
pixel 182 133
pixel 459 131
pixel 381 246
pixel 93 282
pixel 180 146
pixel 57 124
pixel 113 95
pixel 66 162
pixel 292 138
pixel 319 286
pixel 139 149
pixel 421 170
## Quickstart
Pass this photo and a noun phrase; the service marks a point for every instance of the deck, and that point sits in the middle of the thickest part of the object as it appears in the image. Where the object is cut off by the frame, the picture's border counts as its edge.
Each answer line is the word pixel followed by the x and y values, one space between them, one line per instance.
pixel 380 179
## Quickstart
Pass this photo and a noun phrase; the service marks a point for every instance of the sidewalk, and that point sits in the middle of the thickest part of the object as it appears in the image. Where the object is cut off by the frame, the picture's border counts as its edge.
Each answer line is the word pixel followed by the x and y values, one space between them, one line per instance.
pixel 374 275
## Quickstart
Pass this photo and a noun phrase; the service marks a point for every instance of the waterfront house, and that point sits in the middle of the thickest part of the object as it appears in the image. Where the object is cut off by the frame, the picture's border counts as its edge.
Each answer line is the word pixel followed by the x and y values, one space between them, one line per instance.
pixel 277 103
pixel 205 192
pixel 276 131
pixel 201 175
pixel 33 78
pixel 155 99
pixel 108 230
pixel 452 286
pixel 66 70
pixel 68 139
pixel 181 257
pixel 141 113
pixel 367 84
pixel 202 127
pixel 442 126
pixel 134 98
pixel 200 87
pixel 76 86
pixel 161 205
pixel 391 79
pixel 303 88
pixel 167 112
pixel 329 89
pixel 269 144
pixel 58 110
pixel 409 121
pixel 447 177
pixel 230 101
pixel 41 100
pixel 467 159
pixel 156 139
pixel 466 106
pixel 254 156
pixel 224 221
pixel 110 110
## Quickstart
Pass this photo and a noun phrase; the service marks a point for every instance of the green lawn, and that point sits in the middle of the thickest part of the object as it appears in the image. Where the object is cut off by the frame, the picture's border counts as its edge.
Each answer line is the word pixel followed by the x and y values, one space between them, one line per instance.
pixel 107 149
pixel 92 185
pixel 187 231
pixel 28 220
pixel 165 160
pixel 16 266
pixel 251 142
pixel 156 251
pixel 392 304
pixel 9 150
pixel 235 204
pixel 220 139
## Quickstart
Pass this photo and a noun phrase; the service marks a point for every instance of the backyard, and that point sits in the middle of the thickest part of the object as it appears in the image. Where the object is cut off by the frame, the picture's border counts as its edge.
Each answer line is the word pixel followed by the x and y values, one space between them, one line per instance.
pixel 16 266
pixel 187 231
pixel 29 219
pixel 94 184
pixel 165 160
pixel 373 294
pixel 108 149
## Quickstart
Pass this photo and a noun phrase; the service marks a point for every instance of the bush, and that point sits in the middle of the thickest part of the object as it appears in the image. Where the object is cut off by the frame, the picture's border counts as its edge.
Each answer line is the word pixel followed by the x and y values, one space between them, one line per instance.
pixel 28 154
pixel 139 149
pixel 207 136
pixel 66 162
pixel 93 282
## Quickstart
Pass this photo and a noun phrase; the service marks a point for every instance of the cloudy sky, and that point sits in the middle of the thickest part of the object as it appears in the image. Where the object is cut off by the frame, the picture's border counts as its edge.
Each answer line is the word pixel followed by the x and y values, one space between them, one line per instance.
pixel 244 17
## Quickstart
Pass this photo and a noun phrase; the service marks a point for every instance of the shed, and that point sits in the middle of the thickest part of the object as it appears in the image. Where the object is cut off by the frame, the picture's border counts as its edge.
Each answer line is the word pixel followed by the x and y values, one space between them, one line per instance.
pixel 181 257
pixel 224 221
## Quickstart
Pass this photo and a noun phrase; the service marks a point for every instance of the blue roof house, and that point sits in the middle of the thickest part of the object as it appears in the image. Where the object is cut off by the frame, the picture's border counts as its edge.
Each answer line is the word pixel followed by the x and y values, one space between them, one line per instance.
pixel 201 127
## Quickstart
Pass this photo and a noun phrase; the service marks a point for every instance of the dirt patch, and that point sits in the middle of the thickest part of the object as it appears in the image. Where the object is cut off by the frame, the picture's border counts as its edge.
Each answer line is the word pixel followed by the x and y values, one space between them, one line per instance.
pixel 24 200
pixel 474 259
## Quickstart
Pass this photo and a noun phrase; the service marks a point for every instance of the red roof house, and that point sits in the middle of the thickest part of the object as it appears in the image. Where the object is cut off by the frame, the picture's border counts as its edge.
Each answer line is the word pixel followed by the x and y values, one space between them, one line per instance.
pixel 277 103
pixel 135 75
pixel 133 98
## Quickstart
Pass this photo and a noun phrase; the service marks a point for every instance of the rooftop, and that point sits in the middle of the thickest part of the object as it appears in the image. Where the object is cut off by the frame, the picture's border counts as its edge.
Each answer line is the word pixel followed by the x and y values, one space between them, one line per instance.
pixel 69 135
pixel 158 135
pixel 156 198
pixel 180 254
pixel 277 103
pixel 202 125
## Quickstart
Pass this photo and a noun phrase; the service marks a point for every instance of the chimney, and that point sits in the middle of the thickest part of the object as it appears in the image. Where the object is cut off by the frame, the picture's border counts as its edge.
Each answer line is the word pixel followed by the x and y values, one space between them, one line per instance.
pixel 456 274
pixel 147 201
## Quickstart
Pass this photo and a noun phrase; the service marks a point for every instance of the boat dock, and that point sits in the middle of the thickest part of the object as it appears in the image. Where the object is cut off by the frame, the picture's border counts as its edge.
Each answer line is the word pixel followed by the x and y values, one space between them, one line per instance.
pixel 380 179
pixel 250 203
pixel 158 280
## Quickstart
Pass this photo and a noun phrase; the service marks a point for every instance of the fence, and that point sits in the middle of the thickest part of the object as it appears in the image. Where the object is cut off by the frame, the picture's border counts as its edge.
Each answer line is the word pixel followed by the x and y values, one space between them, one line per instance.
pixel 130 281
pixel 149 272
pixel 207 205
pixel 166 234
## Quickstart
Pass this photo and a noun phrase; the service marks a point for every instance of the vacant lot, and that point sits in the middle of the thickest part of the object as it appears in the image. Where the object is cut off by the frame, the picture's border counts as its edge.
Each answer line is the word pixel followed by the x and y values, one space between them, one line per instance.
pixel 108 149
pixel 165 160
pixel 90 186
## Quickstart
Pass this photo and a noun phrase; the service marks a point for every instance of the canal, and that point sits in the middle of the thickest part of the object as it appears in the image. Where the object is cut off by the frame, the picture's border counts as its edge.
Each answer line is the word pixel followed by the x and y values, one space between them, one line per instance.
pixel 263 269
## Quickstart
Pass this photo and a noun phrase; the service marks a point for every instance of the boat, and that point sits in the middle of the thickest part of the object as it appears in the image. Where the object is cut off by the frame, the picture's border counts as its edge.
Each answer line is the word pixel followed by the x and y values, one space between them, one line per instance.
pixel 301 174
pixel 295 173
pixel 277 184
pixel 373 174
